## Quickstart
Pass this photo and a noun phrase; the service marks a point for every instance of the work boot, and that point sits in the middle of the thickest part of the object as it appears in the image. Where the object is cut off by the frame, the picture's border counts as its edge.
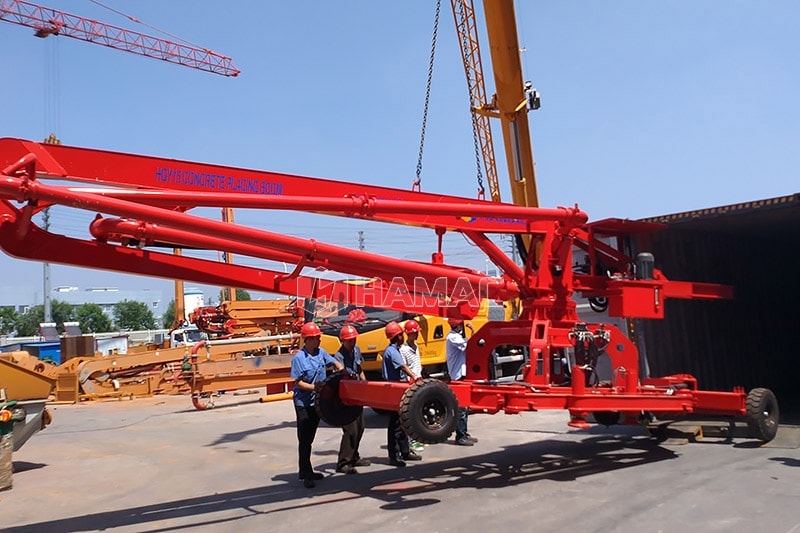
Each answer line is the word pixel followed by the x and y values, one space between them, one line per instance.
pixel 411 456
pixel 346 469
pixel 465 441
pixel 470 437
pixel 363 461
pixel 396 461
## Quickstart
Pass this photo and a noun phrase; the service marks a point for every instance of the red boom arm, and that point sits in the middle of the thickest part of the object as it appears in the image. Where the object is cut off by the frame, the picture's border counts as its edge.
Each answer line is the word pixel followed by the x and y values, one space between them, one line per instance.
pixel 142 202
pixel 152 194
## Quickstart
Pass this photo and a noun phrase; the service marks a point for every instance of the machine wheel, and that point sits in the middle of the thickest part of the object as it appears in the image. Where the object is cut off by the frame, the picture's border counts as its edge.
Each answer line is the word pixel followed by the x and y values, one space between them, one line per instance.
pixel 598 305
pixel 606 418
pixel 429 411
pixel 330 407
pixel 762 414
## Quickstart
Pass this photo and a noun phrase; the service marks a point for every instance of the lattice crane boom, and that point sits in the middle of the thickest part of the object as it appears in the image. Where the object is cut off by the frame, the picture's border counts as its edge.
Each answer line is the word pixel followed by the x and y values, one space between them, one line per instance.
pixel 467 31
pixel 47 21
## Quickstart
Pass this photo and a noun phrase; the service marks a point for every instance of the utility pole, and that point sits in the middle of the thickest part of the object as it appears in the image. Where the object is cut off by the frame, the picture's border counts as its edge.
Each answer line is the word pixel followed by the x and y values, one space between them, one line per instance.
pixel 512 246
pixel 227 257
pixel 48 310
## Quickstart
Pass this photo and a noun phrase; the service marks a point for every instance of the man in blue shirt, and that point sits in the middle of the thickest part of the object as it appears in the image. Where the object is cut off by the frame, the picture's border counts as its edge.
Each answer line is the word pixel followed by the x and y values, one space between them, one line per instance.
pixel 394 367
pixel 309 366
pixel 349 355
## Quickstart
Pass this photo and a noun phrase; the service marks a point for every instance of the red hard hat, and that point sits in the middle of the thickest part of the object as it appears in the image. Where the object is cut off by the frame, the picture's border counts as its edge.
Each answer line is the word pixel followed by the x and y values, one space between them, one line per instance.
pixel 348 332
pixel 392 330
pixel 454 322
pixel 310 329
pixel 411 326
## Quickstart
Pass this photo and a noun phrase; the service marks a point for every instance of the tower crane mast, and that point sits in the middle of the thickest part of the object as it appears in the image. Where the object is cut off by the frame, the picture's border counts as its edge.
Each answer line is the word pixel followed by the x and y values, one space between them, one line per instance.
pixel 47 21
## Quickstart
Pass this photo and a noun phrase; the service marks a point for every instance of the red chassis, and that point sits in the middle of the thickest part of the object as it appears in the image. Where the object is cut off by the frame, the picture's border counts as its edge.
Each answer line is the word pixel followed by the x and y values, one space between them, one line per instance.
pixel 143 202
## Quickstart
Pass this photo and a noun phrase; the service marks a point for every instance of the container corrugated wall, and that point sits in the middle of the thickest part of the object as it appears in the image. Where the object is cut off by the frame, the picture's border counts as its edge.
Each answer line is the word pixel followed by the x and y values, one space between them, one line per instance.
pixel 752 340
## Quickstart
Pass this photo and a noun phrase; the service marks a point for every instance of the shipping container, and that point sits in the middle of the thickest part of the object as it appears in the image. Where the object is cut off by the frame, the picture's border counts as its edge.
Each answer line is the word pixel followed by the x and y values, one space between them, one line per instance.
pixel 749 340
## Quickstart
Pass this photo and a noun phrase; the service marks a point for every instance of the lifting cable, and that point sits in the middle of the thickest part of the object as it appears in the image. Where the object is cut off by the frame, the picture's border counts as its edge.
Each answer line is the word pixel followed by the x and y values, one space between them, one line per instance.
pixel 476 142
pixel 418 180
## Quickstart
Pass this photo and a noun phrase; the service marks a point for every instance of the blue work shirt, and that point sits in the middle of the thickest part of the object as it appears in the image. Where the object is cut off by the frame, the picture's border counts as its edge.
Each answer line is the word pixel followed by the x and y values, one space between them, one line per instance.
pixel 392 361
pixel 311 369
pixel 350 361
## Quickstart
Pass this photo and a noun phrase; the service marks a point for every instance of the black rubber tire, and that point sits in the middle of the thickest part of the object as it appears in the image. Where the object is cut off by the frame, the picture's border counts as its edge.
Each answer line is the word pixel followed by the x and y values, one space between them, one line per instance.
pixel 607 418
pixel 330 407
pixel 429 411
pixel 598 305
pixel 763 415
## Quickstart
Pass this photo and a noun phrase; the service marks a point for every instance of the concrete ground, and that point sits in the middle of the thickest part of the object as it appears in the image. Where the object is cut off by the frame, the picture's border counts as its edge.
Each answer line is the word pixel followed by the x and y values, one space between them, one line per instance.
pixel 156 464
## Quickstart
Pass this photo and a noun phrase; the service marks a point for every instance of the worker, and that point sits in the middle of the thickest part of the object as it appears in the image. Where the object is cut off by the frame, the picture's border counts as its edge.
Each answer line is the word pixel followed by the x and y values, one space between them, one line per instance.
pixel 349 355
pixel 410 352
pixel 309 366
pixel 394 367
pixel 456 352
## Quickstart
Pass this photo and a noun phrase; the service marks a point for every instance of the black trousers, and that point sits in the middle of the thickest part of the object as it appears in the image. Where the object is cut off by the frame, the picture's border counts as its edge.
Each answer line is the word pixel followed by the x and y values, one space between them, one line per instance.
pixel 351 437
pixel 307 424
pixel 396 438
pixel 461 425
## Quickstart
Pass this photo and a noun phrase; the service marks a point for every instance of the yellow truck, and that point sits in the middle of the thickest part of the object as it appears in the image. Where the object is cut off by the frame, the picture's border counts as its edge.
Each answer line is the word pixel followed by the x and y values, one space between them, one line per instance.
pixel 372 341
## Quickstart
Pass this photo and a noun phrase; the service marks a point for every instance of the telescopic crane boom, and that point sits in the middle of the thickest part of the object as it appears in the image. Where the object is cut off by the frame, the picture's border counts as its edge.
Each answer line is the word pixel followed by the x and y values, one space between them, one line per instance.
pixel 511 101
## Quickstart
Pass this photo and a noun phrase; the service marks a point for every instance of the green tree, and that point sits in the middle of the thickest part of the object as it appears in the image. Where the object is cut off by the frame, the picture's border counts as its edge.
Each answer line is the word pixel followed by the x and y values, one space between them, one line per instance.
pixel 241 295
pixel 133 316
pixel 169 315
pixel 8 320
pixel 28 322
pixel 92 318
pixel 62 312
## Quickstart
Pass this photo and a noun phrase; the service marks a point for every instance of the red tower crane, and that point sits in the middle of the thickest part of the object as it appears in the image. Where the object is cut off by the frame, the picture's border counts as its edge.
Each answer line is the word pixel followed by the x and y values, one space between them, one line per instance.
pixel 47 21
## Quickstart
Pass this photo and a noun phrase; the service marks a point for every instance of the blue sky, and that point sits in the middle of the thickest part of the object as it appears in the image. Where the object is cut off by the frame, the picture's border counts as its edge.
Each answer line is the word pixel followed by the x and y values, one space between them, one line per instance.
pixel 647 108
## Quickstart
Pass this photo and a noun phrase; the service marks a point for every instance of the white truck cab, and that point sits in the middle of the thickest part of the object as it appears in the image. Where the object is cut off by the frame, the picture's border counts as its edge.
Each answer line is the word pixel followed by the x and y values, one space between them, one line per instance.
pixel 186 336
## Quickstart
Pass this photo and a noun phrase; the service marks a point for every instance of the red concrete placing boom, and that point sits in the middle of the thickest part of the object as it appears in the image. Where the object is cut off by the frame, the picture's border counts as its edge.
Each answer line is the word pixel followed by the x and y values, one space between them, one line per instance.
pixel 142 201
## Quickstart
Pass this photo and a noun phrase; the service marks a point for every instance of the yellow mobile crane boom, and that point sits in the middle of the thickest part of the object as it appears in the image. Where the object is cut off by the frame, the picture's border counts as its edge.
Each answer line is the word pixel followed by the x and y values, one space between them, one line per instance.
pixel 512 100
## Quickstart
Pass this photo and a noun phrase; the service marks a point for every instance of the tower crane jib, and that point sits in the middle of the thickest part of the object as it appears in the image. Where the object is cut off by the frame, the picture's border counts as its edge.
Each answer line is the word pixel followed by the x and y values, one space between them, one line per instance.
pixel 47 21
